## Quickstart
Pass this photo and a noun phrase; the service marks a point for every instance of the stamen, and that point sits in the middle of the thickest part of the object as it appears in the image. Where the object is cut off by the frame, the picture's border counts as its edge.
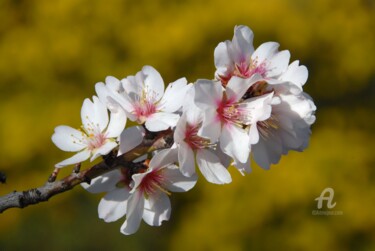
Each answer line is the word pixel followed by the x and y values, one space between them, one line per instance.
pixel 267 127
pixel 195 141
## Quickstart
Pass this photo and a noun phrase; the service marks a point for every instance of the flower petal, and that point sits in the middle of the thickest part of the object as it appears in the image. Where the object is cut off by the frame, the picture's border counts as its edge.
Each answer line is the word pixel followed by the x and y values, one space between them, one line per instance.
pixel 174 95
pixel 186 159
pixel 161 121
pixel 211 168
pixel 176 182
pixel 234 141
pixel 69 139
pixel 104 183
pixel 211 126
pixel 113 205
pixel 297 74
pixel 242 44
pixel 153 82
pixel 130 138
pixel 157 209
pixel 223 60
pixel 117 123
pixel 260 108
pixel 94 114
pixel 207 93
pixel 103 150
pixel 134 213
pixel 278 63
pixel 163 158
pixel 265 52
pixel 77 158
pixel 237 87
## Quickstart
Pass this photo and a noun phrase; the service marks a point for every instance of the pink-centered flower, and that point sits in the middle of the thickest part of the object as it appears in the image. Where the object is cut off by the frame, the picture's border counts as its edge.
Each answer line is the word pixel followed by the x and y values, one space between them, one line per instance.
pixel 191 148
pixel 227 116
pixel 143 98
pixel 143 195
pixel 288 126
pixel 238 58
pixel 96 137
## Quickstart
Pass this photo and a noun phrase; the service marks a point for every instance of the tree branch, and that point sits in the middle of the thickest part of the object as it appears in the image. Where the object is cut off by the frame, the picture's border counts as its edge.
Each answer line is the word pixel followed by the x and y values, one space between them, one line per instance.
pixel 151 142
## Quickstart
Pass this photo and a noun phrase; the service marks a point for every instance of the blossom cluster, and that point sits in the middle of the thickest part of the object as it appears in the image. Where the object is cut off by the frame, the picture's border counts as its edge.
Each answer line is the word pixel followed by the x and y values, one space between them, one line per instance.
pixel 253 109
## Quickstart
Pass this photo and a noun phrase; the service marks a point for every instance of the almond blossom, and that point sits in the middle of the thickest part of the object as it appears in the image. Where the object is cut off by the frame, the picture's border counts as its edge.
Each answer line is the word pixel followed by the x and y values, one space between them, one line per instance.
pixel 144 100
pixel 238 58
pixel 226 115
pixel 96 137
pixel 193 148
pixel 143 195
pixel 288 127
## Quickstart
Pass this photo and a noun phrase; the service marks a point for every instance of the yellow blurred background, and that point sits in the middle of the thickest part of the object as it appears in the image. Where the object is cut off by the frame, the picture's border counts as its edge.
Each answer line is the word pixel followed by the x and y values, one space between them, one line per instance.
pixel 53 52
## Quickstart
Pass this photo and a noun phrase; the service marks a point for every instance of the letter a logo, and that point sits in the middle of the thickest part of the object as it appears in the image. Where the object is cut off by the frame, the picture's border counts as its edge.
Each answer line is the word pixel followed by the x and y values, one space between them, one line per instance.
pixel 328 198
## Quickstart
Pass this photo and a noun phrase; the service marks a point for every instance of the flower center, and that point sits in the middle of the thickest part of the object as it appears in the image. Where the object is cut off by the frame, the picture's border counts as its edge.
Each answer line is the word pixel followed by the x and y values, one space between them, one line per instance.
pixel 195 141
pixel 231 112
pixel 144 106
pixel 245 70
pixel 153 182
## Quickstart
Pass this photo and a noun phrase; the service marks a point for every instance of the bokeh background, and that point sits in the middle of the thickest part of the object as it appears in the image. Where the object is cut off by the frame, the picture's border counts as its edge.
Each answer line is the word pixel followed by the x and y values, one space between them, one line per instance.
pixel 53 52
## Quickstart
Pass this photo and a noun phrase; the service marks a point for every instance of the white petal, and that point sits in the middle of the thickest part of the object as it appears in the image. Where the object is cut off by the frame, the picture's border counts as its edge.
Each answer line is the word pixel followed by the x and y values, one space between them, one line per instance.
pixel 161 121
pixel 211 126
pixel 211 168
pixel 163 157
pixel 174 95
pixel 237 87
pixel 117 123
pixel 207 94
pixel 253 134
pixel 94 114
pixel 113 205
pixel 77 158
pixel 104 183
pixel 278 63
pixel 179 133
pixel 223 60
pixel 176 182
pixel 103 150
pixel 102 92
pixel 69 139
pixel 296 74
pixel 267 152
pixel 234 141
pixel 186 159
pixel 260 108
pixel 265 52
pixel 154 84
pixel 134 213
pixel 242 43
pixel 157 209
pixel 130 138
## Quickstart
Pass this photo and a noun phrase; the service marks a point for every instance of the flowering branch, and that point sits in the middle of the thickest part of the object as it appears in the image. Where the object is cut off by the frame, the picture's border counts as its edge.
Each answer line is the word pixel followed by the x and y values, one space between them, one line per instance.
pixel 151 142
pixel 254 108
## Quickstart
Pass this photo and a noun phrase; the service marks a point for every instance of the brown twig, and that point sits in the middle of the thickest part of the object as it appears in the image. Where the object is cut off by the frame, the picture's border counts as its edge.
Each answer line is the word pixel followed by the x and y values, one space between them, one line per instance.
pixel 111 162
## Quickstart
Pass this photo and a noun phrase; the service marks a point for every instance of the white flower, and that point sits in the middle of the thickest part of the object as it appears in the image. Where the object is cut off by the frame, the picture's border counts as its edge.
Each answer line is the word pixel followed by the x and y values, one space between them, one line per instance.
pixel 225 115
pixel 191 147
pixel 141 195
pixel 143 98
pixel 238 58
pixel 288 128
pixel 97 135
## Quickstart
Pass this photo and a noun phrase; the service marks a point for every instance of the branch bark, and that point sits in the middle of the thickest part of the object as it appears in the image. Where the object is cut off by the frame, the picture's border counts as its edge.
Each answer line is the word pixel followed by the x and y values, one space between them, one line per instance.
pixel 151 142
